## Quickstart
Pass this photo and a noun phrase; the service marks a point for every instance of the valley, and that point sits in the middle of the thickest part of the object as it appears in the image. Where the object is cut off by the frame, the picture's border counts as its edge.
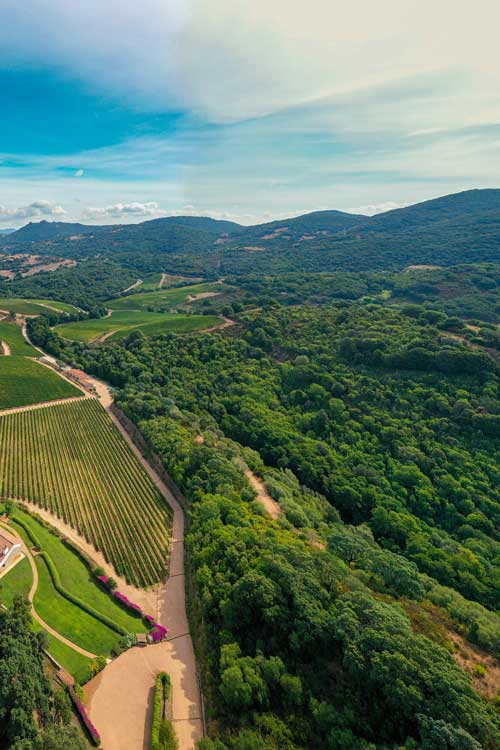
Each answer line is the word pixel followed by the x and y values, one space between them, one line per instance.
pixel 280 475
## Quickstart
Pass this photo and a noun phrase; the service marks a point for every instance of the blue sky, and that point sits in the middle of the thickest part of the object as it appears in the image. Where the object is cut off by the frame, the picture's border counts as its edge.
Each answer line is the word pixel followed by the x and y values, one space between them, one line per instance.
pixel 115 111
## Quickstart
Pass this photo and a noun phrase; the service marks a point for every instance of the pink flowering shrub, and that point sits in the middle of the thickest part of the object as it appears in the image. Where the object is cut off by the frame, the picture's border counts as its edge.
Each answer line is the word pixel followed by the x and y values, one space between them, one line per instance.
pixel 96 737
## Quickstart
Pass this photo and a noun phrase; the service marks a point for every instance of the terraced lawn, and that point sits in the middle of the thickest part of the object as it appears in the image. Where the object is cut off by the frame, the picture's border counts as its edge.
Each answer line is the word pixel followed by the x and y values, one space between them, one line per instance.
pixel 76 577
pixel 122 322
pixel 68 619
pixel 24 382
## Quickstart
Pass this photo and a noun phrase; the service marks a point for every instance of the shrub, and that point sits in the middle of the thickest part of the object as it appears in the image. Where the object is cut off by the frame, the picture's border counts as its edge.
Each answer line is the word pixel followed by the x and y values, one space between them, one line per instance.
pixel 162 733
pixel 94 734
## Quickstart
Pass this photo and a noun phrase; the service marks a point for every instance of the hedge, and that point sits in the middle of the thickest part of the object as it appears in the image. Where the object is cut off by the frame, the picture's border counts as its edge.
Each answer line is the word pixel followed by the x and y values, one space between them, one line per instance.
pixel 162 733
pixel 94 734
pixel 54 574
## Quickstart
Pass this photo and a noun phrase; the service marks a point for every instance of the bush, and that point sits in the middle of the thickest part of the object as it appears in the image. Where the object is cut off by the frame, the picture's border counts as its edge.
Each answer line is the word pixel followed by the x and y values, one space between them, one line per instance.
pixel 162 732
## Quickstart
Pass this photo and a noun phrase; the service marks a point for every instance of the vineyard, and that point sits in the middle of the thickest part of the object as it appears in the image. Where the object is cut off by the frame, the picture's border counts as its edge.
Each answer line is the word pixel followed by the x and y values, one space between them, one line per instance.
pixel 71 459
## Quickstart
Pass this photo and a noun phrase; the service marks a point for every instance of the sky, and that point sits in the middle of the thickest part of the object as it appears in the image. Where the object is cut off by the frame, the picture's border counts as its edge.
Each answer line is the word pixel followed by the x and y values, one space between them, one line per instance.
pixel 122 111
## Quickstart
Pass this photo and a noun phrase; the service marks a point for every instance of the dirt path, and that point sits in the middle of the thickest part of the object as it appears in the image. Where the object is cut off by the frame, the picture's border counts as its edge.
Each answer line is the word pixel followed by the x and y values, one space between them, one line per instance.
pixel 225 324
pixel 132 286
pixel 31 407
pixel 202 295
pixel 263 495
pixel 36 616
pixel 6 348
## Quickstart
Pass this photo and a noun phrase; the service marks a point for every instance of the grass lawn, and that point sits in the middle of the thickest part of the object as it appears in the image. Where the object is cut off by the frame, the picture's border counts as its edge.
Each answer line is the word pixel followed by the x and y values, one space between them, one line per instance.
pixel 17 581
pixel 121 322
pixel 13 336
pixel 24 382
pixel 33 306
pixel 76 577
pixel 68 619
pixel 73 662
pixel 162 299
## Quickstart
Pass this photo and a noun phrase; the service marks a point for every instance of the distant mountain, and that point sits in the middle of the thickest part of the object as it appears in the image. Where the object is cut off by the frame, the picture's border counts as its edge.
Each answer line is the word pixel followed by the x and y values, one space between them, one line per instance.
pixel 7 231
pixel 307 227
pixel 205 223
pixel 460 228
pixel 41 231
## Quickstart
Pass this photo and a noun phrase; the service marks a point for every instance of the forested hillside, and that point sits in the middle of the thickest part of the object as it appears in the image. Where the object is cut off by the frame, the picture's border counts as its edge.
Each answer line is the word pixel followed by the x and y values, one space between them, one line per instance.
pixel 461 228
pixel 365 616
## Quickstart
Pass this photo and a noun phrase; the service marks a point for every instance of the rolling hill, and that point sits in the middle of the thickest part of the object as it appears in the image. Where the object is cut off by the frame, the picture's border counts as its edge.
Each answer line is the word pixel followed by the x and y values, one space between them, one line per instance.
pixel 460 228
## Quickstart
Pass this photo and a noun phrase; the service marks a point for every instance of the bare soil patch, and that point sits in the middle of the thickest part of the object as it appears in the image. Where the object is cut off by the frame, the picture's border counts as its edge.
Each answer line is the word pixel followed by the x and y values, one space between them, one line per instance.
pixel 5 348
pixel 263 495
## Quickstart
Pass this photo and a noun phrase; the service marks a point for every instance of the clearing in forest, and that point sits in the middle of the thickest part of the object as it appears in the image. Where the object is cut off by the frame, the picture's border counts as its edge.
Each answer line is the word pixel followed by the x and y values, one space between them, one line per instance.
pixel 34 306
pixel 122 322
pixel 163 299
pixel 72 460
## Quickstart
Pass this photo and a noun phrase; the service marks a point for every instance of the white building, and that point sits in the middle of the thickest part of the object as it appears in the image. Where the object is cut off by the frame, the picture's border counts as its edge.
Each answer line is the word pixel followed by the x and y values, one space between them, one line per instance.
pixel 10 547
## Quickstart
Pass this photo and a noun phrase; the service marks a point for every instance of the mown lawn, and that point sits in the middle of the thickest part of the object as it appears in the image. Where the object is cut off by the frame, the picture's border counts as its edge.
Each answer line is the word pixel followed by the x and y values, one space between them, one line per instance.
pixel 162 299
pixel 24 382
pixel 13 336
pixel 16 582
pixel 76 577
pixel 73 662
pixel 68 619
pixel 121 322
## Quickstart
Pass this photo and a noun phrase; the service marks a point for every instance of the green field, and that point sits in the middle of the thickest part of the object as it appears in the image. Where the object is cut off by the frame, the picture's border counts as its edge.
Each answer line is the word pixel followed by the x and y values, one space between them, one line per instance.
pixel 121 322
pixel 162 299
pixel 72 460
pixel 13 336
pixel 16 582
pixel 24 382
pixel 152 281
pixel 33 306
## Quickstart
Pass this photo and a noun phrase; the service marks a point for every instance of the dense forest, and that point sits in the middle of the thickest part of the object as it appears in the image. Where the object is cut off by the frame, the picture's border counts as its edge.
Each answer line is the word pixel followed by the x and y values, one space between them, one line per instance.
pixel 33 715
pixel 375 425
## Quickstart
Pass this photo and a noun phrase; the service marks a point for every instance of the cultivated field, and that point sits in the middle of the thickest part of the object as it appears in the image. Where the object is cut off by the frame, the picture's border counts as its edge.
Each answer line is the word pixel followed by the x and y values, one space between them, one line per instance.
pixel 72 460
pixel 121 322
pixel 33 306
pixel 24 381
pixel 13 336
pixel 162 299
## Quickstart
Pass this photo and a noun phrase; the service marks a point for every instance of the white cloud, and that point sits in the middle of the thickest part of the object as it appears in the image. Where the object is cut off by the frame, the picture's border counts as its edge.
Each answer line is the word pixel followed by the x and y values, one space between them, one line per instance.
pixel 125 211
pixel 36 210
pixel 377 208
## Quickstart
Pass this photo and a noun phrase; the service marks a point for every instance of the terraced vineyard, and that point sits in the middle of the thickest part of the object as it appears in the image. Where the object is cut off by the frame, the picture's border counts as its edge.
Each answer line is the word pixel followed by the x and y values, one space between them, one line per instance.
pixel 72 460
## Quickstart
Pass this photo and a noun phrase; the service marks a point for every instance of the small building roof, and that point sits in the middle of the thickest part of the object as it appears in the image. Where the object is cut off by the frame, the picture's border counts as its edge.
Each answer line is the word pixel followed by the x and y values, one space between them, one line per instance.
pixel 7 541
pixel 141 639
